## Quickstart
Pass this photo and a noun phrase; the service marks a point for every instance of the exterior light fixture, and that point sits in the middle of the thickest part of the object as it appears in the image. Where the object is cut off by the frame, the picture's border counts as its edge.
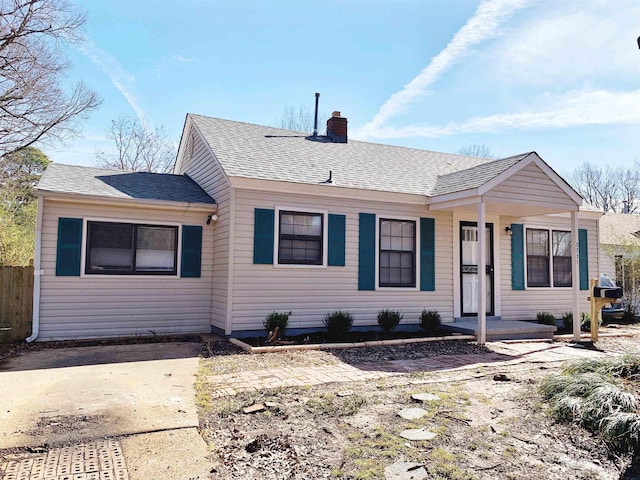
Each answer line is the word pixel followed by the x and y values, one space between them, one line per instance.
pixel 508 230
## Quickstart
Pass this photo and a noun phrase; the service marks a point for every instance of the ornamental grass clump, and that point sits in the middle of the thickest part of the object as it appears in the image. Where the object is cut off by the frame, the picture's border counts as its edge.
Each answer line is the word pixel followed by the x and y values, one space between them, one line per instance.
pixel 388 320
pixel 592 394
pixel 338 323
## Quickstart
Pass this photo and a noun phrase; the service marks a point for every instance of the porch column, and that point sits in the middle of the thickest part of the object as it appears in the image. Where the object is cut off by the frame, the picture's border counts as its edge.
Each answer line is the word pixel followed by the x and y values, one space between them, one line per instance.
pixel 575 276
pixel 482 275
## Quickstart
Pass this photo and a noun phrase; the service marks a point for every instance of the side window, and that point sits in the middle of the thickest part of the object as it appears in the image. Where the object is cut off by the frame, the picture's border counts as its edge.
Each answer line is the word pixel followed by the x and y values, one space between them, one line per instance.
pixel 300 239
pixel 131 249
pixel 397 254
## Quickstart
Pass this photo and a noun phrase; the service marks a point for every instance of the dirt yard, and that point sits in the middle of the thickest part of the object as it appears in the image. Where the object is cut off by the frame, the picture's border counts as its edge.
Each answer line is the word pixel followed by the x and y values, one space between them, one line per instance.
pixel 489 423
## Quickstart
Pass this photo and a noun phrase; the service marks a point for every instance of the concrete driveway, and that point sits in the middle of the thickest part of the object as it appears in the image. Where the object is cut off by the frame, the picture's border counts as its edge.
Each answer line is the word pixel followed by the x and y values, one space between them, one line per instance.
pixel 56 396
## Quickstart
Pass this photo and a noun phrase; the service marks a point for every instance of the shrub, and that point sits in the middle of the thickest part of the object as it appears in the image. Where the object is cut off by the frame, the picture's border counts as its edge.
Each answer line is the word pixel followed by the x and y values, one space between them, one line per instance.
pixel 338 323
pixel 430 321
pixel 277 319
pixel 546 318
pixel 567 321
pixel 389 319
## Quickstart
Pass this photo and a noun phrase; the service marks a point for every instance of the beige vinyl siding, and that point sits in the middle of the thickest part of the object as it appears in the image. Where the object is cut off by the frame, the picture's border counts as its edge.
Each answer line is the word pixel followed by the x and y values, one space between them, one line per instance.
pixel 524 304
pixel 107 306
pixel 310 292
pixel 204 169
pixel 530 186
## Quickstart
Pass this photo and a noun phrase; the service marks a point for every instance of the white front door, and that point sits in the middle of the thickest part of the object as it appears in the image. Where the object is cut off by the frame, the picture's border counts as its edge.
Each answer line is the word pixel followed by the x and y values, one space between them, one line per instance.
pixel 469 268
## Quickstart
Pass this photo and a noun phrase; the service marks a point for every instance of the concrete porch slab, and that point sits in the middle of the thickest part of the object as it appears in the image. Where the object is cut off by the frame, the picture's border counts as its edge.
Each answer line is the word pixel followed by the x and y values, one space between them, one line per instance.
pixel 503 329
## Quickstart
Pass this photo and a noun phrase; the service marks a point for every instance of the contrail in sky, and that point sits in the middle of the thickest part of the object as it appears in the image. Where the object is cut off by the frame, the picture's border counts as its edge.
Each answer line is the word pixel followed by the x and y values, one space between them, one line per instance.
pixel 116 74
pixel 484 24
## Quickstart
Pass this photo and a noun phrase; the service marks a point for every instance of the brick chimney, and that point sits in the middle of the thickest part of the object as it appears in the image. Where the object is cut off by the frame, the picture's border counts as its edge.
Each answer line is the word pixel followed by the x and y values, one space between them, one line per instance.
pixel 337 128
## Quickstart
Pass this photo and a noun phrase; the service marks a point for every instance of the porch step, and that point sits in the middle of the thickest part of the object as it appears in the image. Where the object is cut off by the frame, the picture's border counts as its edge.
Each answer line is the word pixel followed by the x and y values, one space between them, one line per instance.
pixel 498 329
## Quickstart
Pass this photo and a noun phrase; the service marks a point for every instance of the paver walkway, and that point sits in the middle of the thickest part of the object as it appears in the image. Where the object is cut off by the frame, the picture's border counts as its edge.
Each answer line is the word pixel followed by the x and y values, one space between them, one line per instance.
pixel 503 354
pixel 95 460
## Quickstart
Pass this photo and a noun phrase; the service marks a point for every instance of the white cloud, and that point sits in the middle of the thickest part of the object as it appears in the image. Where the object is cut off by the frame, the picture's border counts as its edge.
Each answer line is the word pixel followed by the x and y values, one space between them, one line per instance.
pixel 116 74
pixel 587 107
pixel 561 43
pixel 484 24
pixel 180 59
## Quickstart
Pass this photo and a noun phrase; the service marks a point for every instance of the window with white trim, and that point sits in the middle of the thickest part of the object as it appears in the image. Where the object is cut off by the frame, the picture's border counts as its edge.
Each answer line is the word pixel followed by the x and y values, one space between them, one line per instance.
pixel 300 239
pixel 397 253
pixel 131 249
pixel 548 258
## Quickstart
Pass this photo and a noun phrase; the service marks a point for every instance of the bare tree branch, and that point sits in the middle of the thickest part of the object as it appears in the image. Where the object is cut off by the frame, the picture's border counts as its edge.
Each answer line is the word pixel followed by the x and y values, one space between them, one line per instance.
pixel 33 106
pixel 138 148
pixel 608 188
pixel 481 151
pixel 300 119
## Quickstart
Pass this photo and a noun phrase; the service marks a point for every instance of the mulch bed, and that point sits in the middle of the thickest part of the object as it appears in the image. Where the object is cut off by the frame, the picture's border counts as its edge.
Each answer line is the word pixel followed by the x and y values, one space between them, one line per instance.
pixel 355 336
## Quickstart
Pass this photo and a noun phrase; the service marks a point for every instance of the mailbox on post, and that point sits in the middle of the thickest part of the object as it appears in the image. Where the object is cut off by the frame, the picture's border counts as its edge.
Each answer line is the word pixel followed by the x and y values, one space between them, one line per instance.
pixel 600 297
pixel 607 292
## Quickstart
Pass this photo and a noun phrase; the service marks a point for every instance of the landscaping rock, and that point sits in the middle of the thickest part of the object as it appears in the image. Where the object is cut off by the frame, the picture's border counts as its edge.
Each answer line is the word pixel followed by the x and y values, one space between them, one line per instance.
pixel 412 413
pixel 405 471
pixel 425 397
pixel 256 407
pixel 417 434
pixel 345 393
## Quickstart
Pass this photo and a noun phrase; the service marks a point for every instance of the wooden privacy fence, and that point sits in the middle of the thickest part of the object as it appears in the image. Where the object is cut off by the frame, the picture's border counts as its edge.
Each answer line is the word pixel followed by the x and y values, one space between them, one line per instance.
pixel 16 303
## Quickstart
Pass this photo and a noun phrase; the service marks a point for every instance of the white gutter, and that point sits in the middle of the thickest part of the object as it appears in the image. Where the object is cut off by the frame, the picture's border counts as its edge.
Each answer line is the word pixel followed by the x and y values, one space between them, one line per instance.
pixel 37 273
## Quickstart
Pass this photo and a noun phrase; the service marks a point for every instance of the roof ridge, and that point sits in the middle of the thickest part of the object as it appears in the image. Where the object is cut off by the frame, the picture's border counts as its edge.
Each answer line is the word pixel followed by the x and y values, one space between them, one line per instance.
pixel 366 142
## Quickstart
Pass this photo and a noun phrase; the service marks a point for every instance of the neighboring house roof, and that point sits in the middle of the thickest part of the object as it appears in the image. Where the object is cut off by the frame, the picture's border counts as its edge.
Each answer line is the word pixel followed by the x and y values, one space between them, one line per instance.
pixel 268 153
pixel 619 229
pixel 77 180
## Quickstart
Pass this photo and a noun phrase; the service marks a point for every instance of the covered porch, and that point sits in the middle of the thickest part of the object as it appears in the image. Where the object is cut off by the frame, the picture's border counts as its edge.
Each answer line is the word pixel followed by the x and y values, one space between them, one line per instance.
pixel 489 200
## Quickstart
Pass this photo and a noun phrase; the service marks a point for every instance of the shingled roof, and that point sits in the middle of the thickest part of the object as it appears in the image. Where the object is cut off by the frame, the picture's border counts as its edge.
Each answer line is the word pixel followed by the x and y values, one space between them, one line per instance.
pixel 267 153
pixel 77 180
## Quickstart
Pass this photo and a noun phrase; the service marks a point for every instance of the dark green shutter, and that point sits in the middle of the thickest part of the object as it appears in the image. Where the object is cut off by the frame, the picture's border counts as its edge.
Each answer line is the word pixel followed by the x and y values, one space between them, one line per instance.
pixel 517 256
pixel 263 236
pixel 190 265
pixel 367 252
pixel 69 247
pixel 583 258
pixel 336 240
pixel 427 255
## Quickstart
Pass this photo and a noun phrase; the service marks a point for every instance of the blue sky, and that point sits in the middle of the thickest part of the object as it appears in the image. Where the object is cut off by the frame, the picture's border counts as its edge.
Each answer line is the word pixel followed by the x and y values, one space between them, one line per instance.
pixel 561 77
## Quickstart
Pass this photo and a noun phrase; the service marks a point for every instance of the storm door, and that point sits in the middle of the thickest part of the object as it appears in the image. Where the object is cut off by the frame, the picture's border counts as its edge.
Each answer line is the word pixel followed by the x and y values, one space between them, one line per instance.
pixel 469 268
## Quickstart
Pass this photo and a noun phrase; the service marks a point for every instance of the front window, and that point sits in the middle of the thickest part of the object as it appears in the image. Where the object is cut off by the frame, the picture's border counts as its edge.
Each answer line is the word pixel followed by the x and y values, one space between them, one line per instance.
pixel 397 253
pixel 548 251
pixel 131 249
pixel 300 241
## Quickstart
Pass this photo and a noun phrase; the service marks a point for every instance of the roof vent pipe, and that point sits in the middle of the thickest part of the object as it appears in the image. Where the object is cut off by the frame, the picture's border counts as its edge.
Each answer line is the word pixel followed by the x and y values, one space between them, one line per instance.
pixel 315 117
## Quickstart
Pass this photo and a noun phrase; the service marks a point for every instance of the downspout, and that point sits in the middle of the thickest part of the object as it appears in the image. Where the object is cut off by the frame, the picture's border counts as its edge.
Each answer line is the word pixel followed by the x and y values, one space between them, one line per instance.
pixel 37 273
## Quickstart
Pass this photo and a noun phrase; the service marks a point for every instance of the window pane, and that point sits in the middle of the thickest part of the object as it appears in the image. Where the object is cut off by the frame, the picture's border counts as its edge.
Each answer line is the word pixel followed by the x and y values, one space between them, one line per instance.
pixel 537 271
pixel 286 223
pixel 110 247
pixel 562 244
pixel 561 271
pixel 155 249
